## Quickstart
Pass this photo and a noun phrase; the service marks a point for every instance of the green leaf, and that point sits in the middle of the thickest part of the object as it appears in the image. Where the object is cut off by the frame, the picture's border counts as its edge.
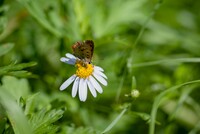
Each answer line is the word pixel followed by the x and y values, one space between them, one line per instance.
pixel 6 48
pixel 14 113
pixel 16 87
pixel 30 104
pixel 16 69
pixel 42 121
pixel 22 73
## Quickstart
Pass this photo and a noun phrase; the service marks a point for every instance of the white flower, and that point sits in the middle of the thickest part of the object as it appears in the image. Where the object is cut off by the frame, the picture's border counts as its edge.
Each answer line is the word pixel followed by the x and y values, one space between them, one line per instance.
pixel 69 59
pixel 87 77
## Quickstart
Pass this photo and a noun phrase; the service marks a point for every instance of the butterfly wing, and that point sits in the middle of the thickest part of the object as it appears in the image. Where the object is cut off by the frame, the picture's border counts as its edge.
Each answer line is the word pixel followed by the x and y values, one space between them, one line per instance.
pixel 84 50
pixel 88 46
pixel 76 50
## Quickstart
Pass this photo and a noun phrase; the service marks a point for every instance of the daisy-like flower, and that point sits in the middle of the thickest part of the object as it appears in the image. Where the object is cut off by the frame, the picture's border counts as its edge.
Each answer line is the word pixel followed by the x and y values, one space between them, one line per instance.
pixel 86 77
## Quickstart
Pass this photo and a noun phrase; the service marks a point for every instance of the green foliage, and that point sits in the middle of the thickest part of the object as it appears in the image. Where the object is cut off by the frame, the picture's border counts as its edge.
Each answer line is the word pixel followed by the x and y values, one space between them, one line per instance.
pixel 23 115
pixel 114 121
pixel 42 121
pixel 16 70
pixel 5 48
pixel 14 113
pixel 17 88
pixel 80 130
pixel 160 98
pixel 147 46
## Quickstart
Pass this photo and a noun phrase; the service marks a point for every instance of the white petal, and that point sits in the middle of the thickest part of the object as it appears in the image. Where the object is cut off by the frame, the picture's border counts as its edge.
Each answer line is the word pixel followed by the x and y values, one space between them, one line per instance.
pixel 70 56
pixel 95 84
pixel 100 79
pixel 72 61
pixel 100 73
pixel 91 88
pixel 82 90
pixel 63 59
pixel 75 87
pixel 68 61
pixel 67 82
pixel 79 89
pixel 98 68
pixel 85 90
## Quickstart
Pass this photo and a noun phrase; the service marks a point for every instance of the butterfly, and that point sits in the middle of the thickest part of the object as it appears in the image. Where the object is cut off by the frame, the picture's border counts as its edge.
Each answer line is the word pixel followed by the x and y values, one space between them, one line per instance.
pixel 84 50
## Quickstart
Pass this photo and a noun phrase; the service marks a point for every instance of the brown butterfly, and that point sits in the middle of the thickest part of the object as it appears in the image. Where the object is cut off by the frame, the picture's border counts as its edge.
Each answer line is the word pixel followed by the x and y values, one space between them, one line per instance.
pixel 84 50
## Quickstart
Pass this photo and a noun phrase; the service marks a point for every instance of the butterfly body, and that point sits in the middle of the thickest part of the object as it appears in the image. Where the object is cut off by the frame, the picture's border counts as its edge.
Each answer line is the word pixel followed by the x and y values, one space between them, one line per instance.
pixel 84 50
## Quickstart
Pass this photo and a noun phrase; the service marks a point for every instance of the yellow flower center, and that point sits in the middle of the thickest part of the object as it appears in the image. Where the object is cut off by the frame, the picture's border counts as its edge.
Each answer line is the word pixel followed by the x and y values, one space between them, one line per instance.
pixel 83 69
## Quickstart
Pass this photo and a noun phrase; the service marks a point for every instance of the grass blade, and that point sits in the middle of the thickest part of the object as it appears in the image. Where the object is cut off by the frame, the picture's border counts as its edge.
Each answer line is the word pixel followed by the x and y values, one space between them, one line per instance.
pixel 115 121
pixel 158 100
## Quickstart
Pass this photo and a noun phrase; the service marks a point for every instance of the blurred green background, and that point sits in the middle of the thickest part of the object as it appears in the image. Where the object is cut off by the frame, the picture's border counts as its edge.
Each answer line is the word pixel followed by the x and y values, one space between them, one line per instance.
pixel 143 45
